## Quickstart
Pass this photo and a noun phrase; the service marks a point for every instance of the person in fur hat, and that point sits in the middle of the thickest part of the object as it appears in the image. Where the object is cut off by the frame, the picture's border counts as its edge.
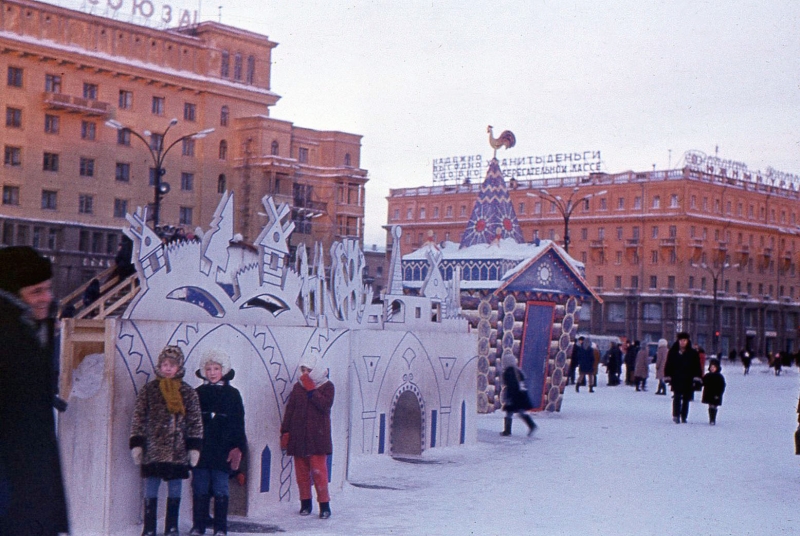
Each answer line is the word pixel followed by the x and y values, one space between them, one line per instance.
pixel 306 433
pixel 166 437
pixel 32 499
pixel 224 441
pixel 514 395
pixel 684 373
pixel 713 388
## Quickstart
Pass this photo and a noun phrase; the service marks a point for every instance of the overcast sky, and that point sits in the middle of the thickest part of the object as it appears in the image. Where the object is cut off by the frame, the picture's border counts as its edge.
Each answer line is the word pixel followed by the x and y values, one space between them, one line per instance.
pixel 632 79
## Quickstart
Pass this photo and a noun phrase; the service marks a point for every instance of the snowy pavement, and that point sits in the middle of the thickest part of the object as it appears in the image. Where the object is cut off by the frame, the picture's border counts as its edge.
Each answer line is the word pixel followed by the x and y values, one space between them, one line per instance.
pixel 611 463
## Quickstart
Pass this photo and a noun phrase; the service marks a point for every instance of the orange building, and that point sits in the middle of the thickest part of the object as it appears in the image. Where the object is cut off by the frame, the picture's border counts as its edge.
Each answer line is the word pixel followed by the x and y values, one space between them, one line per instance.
pixel 68 179
pixel 705 249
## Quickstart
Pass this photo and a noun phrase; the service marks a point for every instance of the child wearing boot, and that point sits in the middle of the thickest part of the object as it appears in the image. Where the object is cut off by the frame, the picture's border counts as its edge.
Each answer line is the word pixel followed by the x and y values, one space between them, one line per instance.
pixel 515 396
pixel 224 441
pixel 166 437
pixel 306 433
pixel 713 387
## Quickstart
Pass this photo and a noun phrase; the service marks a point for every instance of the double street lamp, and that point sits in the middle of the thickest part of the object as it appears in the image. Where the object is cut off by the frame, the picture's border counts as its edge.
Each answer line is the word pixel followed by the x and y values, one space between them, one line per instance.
pixel 565 207
pixel 717 273
pixel 158 153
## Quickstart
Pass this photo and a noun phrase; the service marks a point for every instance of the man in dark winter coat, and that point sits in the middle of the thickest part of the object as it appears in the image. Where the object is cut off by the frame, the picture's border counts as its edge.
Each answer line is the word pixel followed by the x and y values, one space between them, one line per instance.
pixel 630 362
pixel 32 497
pixel 684 373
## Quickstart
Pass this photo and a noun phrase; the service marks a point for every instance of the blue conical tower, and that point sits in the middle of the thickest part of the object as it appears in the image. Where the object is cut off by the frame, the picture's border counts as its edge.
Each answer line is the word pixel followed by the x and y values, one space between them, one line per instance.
pixel 493 215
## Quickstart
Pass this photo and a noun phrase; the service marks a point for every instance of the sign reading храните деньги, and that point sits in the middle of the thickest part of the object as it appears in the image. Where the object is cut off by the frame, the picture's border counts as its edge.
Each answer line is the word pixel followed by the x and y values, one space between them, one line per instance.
pixel 152 13
pixel 456 169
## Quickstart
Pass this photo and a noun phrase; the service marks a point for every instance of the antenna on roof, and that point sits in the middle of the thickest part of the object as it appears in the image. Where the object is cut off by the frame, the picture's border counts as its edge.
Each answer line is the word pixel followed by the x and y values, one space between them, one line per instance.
pixel 220 14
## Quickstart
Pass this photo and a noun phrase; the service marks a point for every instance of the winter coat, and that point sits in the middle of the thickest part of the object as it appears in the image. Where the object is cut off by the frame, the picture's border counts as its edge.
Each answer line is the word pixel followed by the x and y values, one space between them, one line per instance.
pixel 614 362
pixel 585 357
pixel 32 499
pixel 642 367
pixel 713 387
pixel 515 395
pixel 223 422
pixel 596 364
pixel 166 438
pixel 630 356
pixel 307 419
pixel 683 369
pixel 661 361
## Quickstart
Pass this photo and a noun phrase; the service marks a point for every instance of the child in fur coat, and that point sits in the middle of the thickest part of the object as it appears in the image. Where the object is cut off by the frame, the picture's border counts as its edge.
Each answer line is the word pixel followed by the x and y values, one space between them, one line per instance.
pixel 713 387
pixel 166 436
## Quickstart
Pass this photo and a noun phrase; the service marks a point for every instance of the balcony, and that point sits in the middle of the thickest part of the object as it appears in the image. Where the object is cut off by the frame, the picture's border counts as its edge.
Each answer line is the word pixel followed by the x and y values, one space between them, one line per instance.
pixel 669 243
pixel 633 243
pixel 766 253
pixel 73 104
pixel 310 208
pixel 698 243
pixel 597 244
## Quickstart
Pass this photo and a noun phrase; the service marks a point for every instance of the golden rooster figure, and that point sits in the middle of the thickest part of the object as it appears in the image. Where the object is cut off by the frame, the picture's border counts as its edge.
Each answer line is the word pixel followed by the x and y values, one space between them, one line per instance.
pixel 506 139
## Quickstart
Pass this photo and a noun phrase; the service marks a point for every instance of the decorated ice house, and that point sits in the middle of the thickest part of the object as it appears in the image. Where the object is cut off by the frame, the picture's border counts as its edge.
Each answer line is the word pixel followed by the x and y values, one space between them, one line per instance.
pixel 404 369
pixel 521 298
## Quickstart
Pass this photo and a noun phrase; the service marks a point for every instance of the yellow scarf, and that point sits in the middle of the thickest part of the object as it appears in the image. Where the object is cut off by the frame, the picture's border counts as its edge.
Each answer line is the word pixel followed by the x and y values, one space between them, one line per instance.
pixel 171 390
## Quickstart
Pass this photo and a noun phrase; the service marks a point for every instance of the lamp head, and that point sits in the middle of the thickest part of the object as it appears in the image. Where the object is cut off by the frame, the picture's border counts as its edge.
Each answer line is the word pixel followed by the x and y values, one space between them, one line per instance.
pixel 173 121
pixel 113 123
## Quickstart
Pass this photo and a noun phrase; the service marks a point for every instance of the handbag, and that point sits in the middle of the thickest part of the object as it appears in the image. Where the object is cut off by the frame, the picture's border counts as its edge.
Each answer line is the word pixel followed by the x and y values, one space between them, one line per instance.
pixel 797 441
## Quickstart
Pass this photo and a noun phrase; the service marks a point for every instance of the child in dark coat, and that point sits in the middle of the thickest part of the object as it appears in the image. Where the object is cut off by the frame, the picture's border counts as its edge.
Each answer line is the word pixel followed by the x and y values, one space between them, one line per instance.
pixel 515 395
pixel 224 441
pixel 713 388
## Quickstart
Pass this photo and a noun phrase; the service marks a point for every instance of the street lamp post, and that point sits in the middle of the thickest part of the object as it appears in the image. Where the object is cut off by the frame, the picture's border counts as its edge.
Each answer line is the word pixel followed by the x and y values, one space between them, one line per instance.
pixel 158 153
pixel 717 273
pixel 565 207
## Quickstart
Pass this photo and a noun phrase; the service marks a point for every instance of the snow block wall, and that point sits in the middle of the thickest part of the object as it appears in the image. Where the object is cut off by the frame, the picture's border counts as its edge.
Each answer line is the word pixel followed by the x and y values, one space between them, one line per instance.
pixel 404 367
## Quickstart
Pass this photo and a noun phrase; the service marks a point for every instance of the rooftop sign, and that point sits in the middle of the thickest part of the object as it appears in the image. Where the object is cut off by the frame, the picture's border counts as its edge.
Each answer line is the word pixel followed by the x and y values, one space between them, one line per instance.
pixel 464 168
pixel 699 161
pixel 153 13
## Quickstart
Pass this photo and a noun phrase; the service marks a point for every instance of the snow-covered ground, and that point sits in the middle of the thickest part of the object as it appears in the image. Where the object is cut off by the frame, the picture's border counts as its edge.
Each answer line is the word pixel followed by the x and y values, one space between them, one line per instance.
pixel 611 463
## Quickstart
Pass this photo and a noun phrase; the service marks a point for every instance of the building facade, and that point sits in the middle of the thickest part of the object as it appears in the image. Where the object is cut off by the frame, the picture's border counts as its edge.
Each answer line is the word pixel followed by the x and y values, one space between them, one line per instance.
pixel 705 250
pixel 68 179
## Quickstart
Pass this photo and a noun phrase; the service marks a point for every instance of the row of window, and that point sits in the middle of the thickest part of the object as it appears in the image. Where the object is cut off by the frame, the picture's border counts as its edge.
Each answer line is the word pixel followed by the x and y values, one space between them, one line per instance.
pixel 655 312
pixel 238 60
pixel 40 237
pixel 741 288
pixel 86 203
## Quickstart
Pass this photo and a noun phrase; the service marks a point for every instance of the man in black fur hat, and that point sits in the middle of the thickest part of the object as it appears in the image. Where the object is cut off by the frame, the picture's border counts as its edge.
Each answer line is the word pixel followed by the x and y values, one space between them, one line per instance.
pixel 684 374
pixel 32 500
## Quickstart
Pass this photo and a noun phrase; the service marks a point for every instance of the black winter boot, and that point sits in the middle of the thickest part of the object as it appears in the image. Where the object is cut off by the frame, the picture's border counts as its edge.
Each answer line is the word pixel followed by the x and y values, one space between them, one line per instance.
pixel 529 421
pixel 324 510
pixel 171 522
pixel 150 509
pixel 199 514
pixel 220 515
pixel 305 507
pixel 712 415
pixel 506 426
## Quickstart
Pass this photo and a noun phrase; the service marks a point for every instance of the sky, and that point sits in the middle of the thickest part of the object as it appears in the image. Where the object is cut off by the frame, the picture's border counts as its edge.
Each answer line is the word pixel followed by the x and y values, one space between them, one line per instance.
pixel 642 82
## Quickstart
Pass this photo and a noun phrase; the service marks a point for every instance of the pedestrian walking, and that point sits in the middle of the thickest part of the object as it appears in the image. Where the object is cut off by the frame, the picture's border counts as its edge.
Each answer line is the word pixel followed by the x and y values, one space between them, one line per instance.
pixel 515 396
pixel 585 356
pixel 32 498
pixel 166 437
pixel 746 360
pixel 713 388
pixel 630 362
pixel 641 370
pixel 613 363
pixel 661 362
pixel 224 441
pixel 684 374
pixel 306 433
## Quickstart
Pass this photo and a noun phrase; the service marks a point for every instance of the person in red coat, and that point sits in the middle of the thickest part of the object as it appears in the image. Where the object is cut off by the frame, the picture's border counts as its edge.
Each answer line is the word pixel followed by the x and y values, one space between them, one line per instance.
pixel 306 433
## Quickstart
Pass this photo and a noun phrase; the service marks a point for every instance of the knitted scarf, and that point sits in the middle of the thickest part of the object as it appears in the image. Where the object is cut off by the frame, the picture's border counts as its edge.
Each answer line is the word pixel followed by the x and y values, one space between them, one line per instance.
pixel 171 391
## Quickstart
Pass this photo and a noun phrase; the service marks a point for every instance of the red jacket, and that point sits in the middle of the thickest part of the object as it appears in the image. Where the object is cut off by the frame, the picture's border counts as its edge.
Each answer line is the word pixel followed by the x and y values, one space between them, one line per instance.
pixel 307 419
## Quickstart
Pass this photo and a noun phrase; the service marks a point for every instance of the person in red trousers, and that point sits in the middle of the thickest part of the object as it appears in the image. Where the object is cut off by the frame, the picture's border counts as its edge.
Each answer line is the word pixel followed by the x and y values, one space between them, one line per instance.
pixel 306 433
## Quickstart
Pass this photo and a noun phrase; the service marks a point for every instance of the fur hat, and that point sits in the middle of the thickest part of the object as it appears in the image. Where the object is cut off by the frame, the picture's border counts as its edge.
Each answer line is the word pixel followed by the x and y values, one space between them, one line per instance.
pixel 217 356
pixel 174 353
pixel 714 362
pixel 508 360
pixel 683 335
pixel 22 266
pixel 662 342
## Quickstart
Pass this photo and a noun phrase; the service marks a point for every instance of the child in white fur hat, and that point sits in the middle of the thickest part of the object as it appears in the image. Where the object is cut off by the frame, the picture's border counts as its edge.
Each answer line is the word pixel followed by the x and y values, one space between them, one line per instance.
pixel 224 441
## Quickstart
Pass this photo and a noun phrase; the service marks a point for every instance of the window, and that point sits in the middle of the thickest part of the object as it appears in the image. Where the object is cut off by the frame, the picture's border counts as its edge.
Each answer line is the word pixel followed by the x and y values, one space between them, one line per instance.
pixel 521 208
pixel 599 281
pixel 601 233
pixel 187 181
pixel 619 257
pixel 125 99
pixel 221 184
pixel 302 155
pixel 86 168
pixel 12 156
pixel 51 124
pixel 537 207
pixel 463 211
pixel 52 83
pixel 158 106
pixel 156 141
pixel 448 212
pixel 224 115
pixel 637 202
pixel 634 281
pixel 621 203
pixel 189 111
pixel 88 130
pixel 619 233
pixel 656 201
pixel 83 241
pixel 671 281
pixel 223 150
pixel 85 204
pixel 348 161
pixel 616 312
pixel 237 66
pixel 435 212
pixel 603 204
pixel 673 201
pixel 188 147
pixel 97 242
pixel 693 201
pixel 635 232
pixel 89 91
pixel 654 232
pixel 37 237
pixel 11 195
pixel 410 214
pixel 617 281
pixel 225 64
pixel 654 257
pixel 422 213
pixel 584 233
pixel 120 208
pixel 49 199
pixel 13 117
pixel 185 216
pixel 274 148
pixel 123 137
pixel 50 162
pixel 111 244
pixel 251 69
pixel 15 76
pixel 653 282
pixel 123 172
pixel 652 312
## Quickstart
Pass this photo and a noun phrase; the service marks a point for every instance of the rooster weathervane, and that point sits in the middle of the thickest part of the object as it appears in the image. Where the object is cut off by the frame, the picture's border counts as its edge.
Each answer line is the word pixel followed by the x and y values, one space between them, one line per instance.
pixel 506 139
